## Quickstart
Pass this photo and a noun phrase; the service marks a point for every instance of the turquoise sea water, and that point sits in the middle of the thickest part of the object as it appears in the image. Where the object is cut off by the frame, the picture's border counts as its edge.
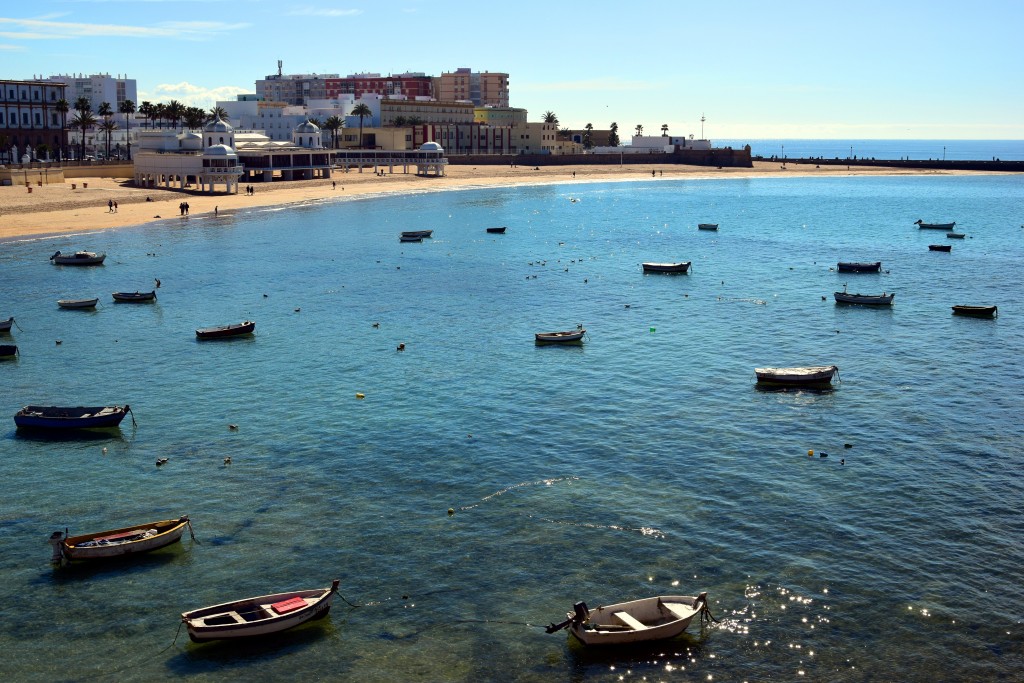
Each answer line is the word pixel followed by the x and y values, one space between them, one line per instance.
pixel 970 150
pixel 642 462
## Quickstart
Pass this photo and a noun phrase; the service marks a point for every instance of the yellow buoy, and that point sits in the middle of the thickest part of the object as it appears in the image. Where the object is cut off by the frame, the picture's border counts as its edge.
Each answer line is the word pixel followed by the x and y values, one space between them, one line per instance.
pixel 810 454
pixel 360 395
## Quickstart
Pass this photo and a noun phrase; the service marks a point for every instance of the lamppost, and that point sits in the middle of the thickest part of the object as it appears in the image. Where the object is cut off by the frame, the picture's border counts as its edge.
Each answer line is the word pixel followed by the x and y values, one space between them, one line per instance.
pixel 943 152
pixel 702 119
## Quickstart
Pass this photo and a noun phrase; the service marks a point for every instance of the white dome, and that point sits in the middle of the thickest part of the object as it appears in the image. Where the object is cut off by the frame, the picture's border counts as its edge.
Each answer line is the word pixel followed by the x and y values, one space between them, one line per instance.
pixel 307 127
pixel 431 147
pixel 189 135
pixel 218 126
pixel 219 151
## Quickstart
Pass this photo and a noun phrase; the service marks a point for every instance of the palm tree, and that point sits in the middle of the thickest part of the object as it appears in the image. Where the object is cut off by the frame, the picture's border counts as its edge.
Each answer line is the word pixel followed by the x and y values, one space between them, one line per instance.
pixel 361 110
pixel 82 104
pixel 105 109
pixel 146 110
pixel 664 130
pixel 83 121
pixel 400 121
pixel 194 116
pixel 639 129
pixel 159 112
pixel 613 134
pixel 217 113
pixel 549 117
pixel 175 111
pixel 588 136
pixel 414 121
pixel 334 124
pixel 108 126
pixel 62 108
pixel 127 107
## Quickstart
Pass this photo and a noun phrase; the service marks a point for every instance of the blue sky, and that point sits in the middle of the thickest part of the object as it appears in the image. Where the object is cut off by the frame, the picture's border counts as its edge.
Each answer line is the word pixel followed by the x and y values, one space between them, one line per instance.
pixel 928 69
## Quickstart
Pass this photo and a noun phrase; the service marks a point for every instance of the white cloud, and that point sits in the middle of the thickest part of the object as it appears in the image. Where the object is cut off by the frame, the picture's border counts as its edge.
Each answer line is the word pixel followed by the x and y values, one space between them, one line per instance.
pixel 190 94
pixel 41 29
pixel 310 11
pixel 11 48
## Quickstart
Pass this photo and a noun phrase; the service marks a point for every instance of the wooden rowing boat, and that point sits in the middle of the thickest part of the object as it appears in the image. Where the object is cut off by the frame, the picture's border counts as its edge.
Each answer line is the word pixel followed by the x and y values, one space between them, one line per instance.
pixel 8 351
pixel 934 226
pixel 956 235
pixel 707 226
pixel 5 325
pixel 976 311
pixel 78 303
pixel 882 299
pixel 799 376
pixel 104 545
pixel 79 258
pixel 417 233
pixel 940 247
pixel 637 621
pixel 680 267
pixel 859 267
pixel 497 231
pixel 560 337
pixel 258 616
pixel 222 331
pixel 134 297
pixel 78 417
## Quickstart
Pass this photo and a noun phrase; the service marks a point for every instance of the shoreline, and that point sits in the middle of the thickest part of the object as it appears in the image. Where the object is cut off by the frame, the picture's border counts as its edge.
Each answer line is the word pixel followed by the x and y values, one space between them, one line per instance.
pixel 61 209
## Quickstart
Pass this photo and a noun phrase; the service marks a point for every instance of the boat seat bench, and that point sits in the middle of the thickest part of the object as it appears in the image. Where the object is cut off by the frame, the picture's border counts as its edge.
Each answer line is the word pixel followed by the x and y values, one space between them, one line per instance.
pixel 630 621
pixel 679 610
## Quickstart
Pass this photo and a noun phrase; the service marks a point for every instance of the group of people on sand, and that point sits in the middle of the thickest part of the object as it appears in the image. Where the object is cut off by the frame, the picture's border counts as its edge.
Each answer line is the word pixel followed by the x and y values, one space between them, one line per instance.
pixel 183 207
pixel 111 206
pixel 250 190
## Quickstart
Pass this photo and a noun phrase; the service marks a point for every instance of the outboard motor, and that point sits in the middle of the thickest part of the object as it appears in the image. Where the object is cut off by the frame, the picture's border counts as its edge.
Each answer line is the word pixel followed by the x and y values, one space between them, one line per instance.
pixel 55 255
pixel 582 613
pixel 57 543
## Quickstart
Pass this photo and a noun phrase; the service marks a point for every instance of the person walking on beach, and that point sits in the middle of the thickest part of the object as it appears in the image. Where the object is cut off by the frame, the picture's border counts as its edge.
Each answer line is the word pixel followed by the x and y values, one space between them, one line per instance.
pixel 186 208
pixel 181 208
pixel 334 185
pixel 216 210
pixel 110 206
pixel 115 207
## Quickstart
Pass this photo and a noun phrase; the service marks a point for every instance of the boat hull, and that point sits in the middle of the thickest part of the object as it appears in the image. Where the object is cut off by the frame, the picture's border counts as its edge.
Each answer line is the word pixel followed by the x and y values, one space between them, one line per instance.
pixel 417 233
pixel 865 299
pixel 680 267
pixel 77 303
pixel 106 545
pixel 254 617
pixel 79 258
pixel 223 331
pixel 559 337
pixel 638 621
pixel 849 267
pixel 134 297
pixel 800 376
pixel 955 235
pixel 8 351
pixel 940 247
pixel 707 226
pixel 936 226
pixel 976 311
pixel 79 417
pixel 5 325
pixel 497 231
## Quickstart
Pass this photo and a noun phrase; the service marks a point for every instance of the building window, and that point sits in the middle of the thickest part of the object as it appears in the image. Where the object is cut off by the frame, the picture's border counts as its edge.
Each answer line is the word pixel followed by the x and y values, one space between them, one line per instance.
pixel 39 119
pixel 24 118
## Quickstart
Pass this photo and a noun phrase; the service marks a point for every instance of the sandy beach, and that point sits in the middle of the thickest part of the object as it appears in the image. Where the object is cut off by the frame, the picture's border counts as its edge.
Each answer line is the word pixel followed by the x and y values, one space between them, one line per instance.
pixel 78 206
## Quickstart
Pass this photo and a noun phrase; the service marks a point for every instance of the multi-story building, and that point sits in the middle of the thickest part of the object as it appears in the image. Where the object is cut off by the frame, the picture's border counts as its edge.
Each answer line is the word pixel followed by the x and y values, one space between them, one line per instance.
pixel 98 88
pixel 410 85
pixel 424 111
pixel 480 88
pixel 29 120
pixel 535 138
pixel 294 89
pixel 500 116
